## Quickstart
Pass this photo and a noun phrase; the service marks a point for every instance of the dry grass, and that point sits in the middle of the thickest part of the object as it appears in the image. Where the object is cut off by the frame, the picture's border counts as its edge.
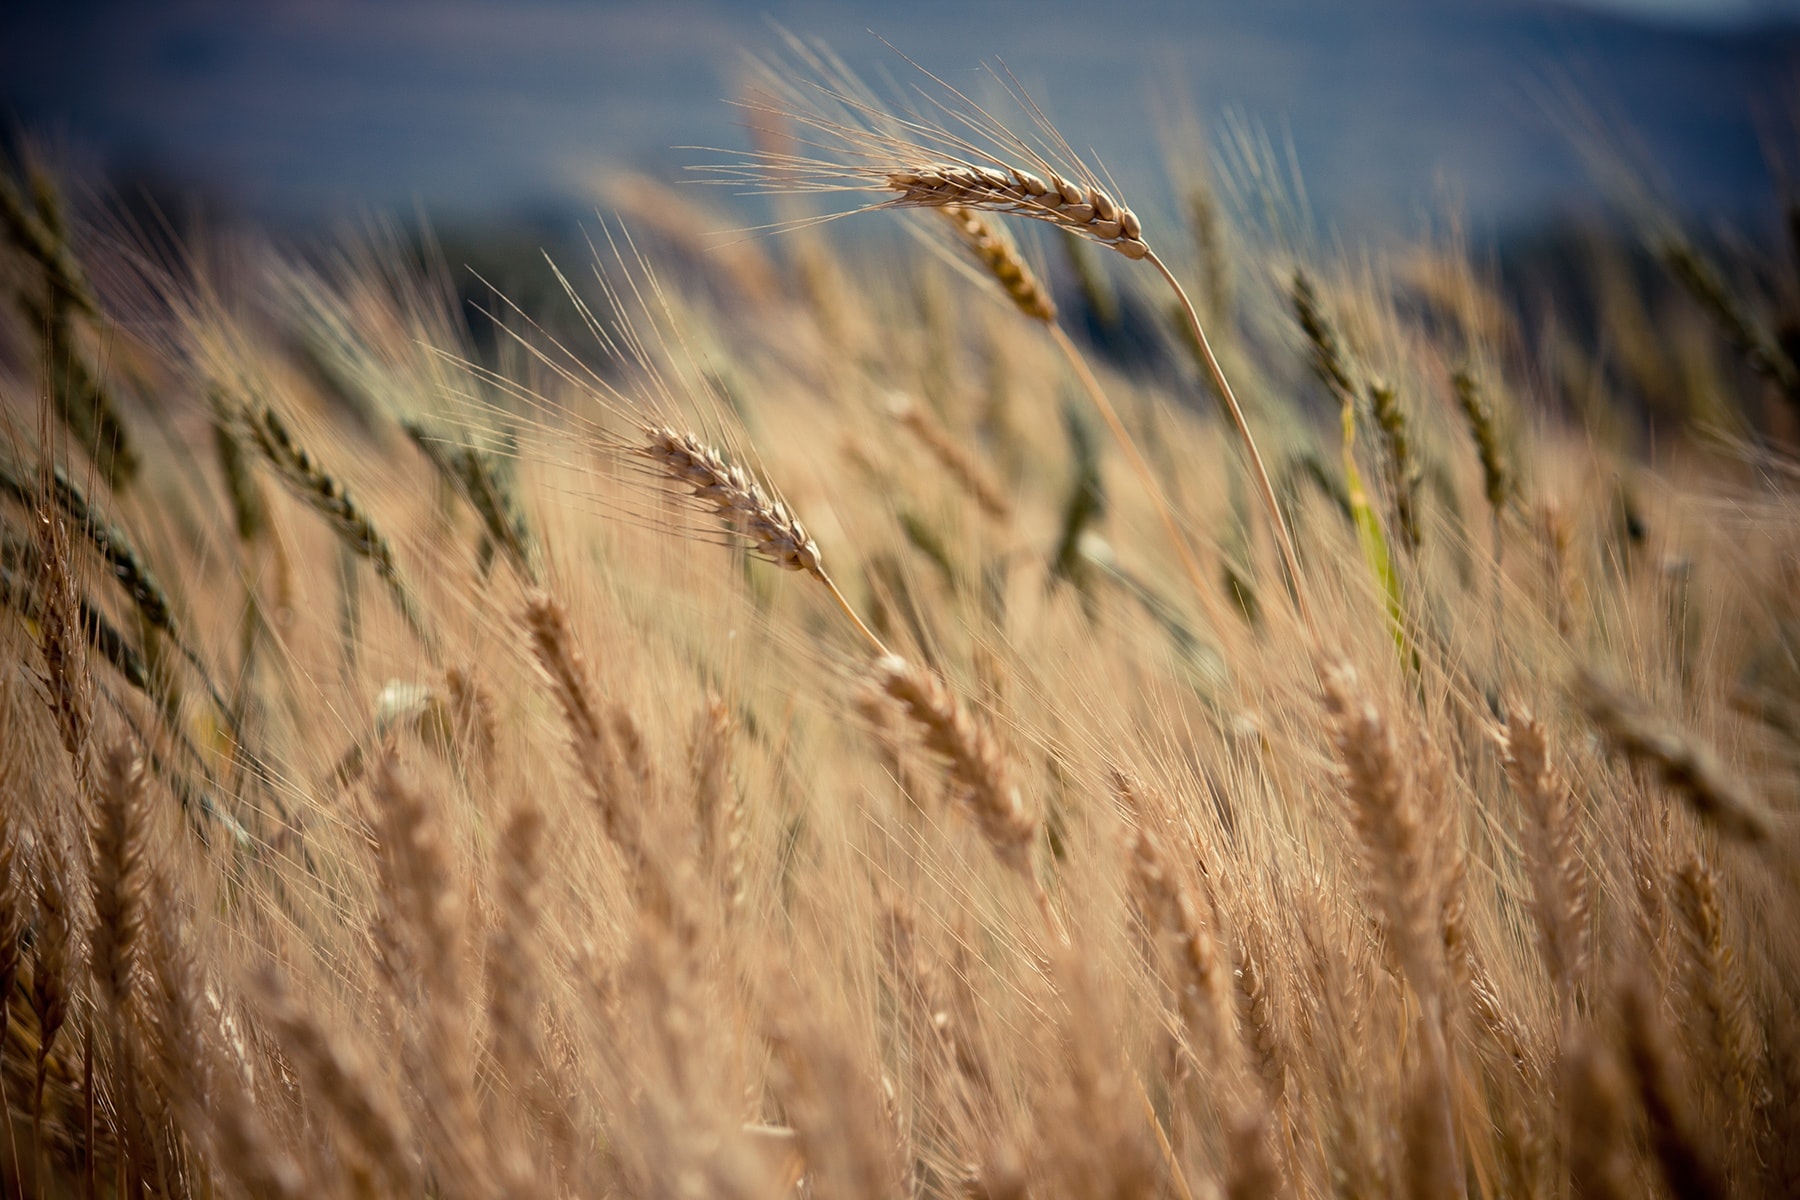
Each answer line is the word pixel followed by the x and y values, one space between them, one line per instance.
pixel 635 868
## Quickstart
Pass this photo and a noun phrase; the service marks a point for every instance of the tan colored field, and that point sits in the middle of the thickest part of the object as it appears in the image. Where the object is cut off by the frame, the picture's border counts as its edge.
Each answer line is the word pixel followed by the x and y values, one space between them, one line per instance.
pixel 408 788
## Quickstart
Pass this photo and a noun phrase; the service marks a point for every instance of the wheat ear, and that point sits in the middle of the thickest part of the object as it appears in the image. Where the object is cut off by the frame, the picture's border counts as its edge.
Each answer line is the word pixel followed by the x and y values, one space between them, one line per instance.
pixel 1496 484
pixel 1558 882
pixel 1718 985
pixel 1684 762
pixel 976 766
pixel 746 509
pixel 1170 907
pixel 1004 262
pixel 1083 210
pixel 1397 838
pixel 955 457
pixel 335 1076
pixel 322 491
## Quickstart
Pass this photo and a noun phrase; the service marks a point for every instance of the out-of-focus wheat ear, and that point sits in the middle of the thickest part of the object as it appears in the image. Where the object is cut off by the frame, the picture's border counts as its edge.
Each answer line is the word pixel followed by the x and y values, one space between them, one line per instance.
pixel 1004 262
pixel 83 401
pixel 515 982
pixel 841 1126
pixel 334 1075
pixel 119 870
pixel 1706 284
pixel 1410 890
pixel 472 717
pixel 156 616
pixel 1717 981
pixel 719 808
pixel 1557 540
pixel 15 915
pixel 1329 359
pixel 108 540
pixel 209 1088
pixel 1384 811
pixel 309 482
pixel 1552 856
pixel 52 966
pixel 68 686
pixel 961 463
pixel 1204 216
pixel 1688 1165
pixel 512 959
pixel 1478 412
pixel 39 234
pixel 249 510
pixel 474 476
pixel 977 768
pixel 1430 1167
pixel 1168 905
pixel 417 879
pixel 1596 1112
pixel 1402 470
pixel 745 509
pixel 1254 1174
pixel 1685 763
pixel 605 764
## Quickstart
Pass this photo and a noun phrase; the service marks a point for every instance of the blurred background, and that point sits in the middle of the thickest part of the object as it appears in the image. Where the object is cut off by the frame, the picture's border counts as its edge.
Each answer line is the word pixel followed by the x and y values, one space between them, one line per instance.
pixel 478 112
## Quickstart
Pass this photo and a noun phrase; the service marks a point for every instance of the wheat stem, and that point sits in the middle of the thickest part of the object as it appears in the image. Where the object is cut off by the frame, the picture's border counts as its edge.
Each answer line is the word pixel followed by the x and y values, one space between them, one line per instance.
pixel 1283 539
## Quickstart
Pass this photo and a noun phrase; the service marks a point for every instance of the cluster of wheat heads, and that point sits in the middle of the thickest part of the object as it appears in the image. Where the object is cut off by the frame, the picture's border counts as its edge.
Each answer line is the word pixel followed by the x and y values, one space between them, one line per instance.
pixel 440 775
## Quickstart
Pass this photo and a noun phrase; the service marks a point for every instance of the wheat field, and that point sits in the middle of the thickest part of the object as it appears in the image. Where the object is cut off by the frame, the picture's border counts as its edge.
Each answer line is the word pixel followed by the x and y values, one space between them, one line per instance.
pixel 807 719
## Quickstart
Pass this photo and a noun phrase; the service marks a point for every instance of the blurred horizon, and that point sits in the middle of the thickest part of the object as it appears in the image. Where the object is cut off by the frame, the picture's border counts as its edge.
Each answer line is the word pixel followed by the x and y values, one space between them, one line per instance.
pixel 299 112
